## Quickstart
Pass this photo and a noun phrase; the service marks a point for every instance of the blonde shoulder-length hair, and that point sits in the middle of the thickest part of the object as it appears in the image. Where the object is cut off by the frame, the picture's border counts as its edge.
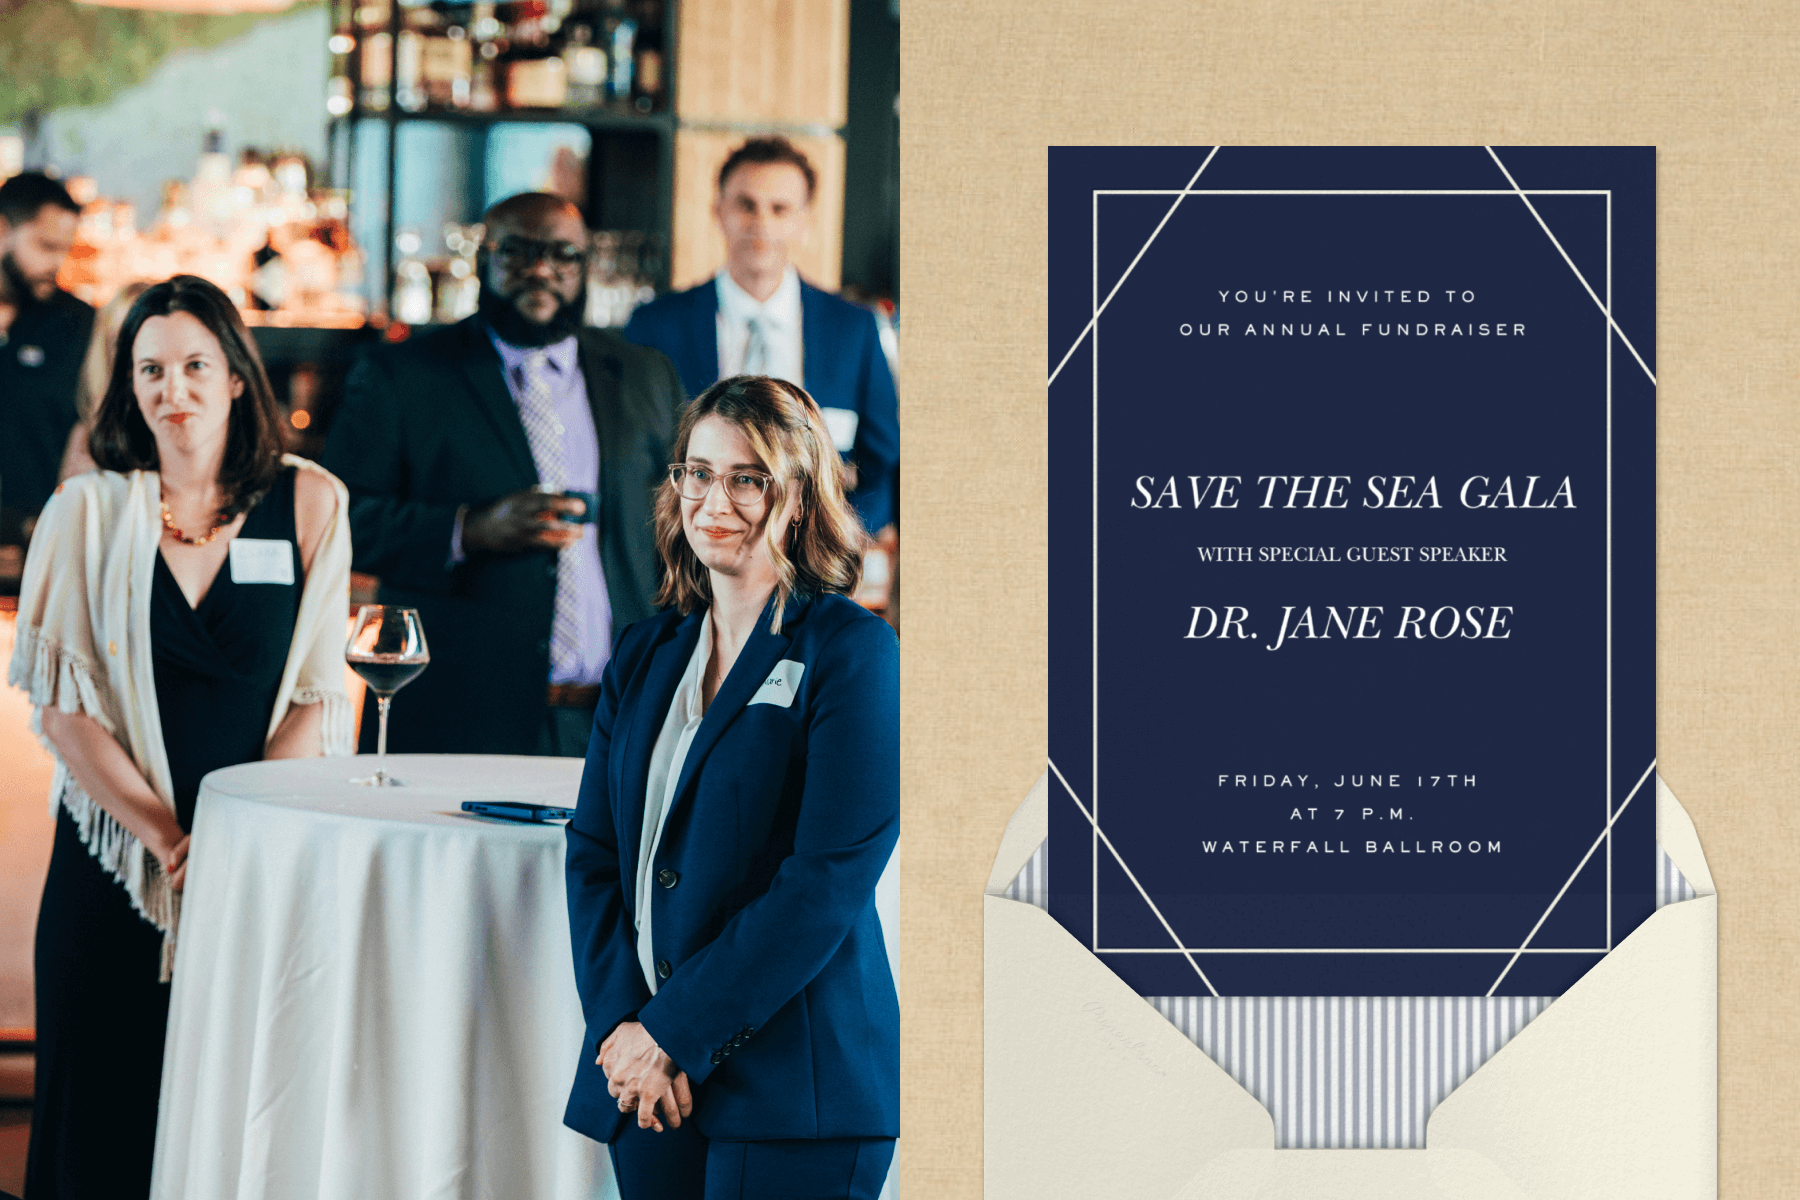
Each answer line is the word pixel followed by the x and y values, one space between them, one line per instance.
pixel 823 551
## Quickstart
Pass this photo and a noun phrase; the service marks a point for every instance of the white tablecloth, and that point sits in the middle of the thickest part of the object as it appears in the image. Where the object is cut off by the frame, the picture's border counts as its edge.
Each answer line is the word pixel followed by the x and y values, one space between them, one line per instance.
pixel 373 992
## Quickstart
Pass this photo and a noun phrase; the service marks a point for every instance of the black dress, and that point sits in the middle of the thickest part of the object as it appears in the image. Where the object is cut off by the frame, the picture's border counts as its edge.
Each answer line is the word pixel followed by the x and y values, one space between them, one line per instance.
pixel 101 1013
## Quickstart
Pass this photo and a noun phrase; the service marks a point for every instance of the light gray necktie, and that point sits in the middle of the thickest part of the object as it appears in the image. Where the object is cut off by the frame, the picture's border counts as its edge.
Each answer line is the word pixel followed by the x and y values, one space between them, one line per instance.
pixel 537 410
pixel 756 349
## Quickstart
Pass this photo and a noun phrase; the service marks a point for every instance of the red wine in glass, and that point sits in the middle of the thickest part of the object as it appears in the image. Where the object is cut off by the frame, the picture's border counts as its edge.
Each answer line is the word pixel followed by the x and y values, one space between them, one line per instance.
pixel 387 648
pixel 387 673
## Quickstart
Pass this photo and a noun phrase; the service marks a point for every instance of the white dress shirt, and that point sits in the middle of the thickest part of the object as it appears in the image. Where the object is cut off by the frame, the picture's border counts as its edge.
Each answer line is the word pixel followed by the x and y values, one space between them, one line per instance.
pixel 666 761
pixel 779 317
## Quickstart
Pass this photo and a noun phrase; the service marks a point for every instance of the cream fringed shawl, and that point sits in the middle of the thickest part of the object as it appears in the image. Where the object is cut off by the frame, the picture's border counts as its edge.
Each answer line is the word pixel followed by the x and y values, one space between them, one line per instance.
pixel 83 645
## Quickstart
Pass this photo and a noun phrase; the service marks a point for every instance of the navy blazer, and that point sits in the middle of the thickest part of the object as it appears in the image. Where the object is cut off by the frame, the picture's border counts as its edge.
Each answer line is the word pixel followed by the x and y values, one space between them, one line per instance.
pixel 779 1004
pixel 842 360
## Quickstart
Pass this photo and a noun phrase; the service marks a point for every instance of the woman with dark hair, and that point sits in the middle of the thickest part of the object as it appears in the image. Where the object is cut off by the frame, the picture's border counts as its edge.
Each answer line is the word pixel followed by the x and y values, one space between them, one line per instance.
pixel 183 609
pixel 740 800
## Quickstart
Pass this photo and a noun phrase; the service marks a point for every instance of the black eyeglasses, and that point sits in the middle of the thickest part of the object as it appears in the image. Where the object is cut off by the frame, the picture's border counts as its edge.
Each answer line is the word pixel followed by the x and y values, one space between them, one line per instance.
pixel 694 483
pixel 519 253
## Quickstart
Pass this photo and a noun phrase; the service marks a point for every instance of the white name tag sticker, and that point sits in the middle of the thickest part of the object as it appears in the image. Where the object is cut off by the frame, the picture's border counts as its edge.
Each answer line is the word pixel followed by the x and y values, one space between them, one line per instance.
pixel 841 424
pixel 780 684
pixel 260 560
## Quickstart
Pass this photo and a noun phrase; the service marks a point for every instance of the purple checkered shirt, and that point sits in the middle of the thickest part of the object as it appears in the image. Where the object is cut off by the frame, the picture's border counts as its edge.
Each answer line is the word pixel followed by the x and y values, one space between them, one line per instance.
pixel 586 659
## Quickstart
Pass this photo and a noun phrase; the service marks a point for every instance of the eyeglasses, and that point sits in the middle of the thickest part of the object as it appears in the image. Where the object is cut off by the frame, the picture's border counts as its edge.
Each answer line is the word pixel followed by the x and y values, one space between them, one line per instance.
pixel 520 253
pixel 695 483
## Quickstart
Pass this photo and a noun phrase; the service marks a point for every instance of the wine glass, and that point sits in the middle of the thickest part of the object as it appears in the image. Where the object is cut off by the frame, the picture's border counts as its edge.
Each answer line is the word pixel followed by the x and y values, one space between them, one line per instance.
pixel 387 648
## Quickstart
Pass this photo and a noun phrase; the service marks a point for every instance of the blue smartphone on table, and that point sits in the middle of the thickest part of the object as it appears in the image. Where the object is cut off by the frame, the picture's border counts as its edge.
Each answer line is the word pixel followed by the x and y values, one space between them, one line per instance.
pixel 512 810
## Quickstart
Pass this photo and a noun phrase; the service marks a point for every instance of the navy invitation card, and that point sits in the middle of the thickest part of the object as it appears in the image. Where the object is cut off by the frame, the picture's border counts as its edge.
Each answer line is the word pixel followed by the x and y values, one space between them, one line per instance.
pixel 1352 538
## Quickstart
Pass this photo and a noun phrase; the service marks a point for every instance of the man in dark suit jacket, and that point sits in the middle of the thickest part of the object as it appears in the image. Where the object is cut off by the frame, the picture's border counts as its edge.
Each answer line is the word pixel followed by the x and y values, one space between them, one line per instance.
pixel 758 317
pixel 449 442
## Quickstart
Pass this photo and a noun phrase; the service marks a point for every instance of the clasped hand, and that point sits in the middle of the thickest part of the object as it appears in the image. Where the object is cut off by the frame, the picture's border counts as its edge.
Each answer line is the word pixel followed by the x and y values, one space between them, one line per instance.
pixel 524 520
pixel 173 858
pixel 642 1078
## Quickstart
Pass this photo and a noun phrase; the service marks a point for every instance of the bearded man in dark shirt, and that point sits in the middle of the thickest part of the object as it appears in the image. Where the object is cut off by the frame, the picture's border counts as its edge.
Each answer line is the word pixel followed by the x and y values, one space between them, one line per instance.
pixel 43 338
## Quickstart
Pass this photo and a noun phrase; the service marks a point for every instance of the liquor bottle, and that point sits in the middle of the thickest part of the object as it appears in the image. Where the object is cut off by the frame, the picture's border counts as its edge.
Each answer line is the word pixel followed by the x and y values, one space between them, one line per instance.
pixel 411 302
pixel 647 87
pixel 409 83
pixel 447 67
pixel 649 79
pixel 375 55
pixel 458 286
pixel 585 66
pixel 340 92
pixel 487 35
pixel 535 77
pixel 621 33
pixel 340 96
pixel 209 195
pixel 176 213
pixel 484 24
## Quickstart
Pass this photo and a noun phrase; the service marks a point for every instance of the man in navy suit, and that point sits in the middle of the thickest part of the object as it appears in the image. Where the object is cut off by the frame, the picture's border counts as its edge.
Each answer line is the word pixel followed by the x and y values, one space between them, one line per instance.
pixel 758 317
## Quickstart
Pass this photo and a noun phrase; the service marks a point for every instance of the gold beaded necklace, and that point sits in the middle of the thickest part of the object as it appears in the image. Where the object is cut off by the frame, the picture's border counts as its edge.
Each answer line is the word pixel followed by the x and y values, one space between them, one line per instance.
pixel 169 524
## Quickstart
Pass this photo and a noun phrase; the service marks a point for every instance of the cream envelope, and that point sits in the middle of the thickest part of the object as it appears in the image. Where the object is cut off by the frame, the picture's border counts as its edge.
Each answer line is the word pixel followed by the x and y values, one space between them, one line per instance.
pixel 1610 1092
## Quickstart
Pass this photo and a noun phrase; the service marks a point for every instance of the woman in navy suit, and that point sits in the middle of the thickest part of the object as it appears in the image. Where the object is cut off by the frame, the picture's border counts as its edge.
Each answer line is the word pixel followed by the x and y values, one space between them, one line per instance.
pixel 740 800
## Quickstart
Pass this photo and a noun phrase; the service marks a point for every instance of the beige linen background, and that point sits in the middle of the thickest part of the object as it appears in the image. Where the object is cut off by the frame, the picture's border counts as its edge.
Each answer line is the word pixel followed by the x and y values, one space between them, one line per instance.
pixel 986 87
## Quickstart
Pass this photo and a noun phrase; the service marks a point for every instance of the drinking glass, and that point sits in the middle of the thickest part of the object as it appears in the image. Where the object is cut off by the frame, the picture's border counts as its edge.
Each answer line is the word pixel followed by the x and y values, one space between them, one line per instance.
pixel 387 648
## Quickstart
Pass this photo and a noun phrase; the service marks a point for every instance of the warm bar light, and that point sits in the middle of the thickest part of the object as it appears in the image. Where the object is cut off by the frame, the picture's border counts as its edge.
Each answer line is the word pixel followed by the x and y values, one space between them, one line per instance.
pixel 212 7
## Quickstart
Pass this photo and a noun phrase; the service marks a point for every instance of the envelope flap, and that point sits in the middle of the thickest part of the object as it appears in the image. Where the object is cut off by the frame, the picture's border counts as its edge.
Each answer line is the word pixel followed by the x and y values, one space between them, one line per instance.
pixel 1025 832
pixel 1612 1090
pixel 1088 1090
pixel 1675 834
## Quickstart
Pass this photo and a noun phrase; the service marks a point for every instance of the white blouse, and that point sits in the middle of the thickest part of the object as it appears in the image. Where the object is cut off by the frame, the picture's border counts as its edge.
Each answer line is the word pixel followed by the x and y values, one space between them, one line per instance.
pixel 666 761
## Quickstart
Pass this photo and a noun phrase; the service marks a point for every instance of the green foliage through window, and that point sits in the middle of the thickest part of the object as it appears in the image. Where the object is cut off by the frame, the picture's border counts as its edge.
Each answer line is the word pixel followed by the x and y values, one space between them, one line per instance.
pixel 59 54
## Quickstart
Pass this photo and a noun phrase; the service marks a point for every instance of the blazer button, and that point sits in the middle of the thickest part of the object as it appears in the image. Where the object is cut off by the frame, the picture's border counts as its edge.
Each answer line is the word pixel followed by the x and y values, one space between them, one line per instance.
pixel 663 969
pixel 550 571
pixel 717 1058
pixel 543 646
pixel 667 878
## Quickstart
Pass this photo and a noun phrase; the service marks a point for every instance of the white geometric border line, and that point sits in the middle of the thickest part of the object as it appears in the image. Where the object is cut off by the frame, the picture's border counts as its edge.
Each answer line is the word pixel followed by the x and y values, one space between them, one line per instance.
pixel 1189 951
pixel 1128 270
pixel 1516 191
pixel 1134 879
pixel 1573 875
pixel 1603 306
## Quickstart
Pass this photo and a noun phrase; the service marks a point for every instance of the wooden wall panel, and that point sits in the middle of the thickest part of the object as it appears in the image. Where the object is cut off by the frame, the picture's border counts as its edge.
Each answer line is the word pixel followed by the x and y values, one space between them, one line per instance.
pixel 699 248
pixel 764 61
